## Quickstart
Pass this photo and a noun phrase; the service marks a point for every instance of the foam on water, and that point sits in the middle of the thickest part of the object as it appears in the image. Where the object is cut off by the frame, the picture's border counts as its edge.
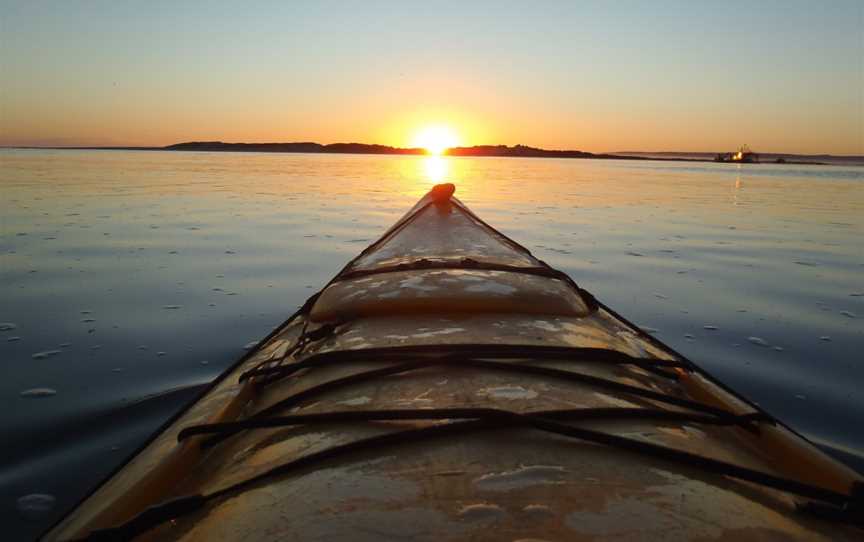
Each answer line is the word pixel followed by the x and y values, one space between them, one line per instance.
pixel 35 505
pixel 39 392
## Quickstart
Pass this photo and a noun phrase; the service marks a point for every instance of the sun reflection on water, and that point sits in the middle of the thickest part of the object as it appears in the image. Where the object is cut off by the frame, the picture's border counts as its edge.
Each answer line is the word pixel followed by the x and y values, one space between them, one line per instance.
pixel 436 168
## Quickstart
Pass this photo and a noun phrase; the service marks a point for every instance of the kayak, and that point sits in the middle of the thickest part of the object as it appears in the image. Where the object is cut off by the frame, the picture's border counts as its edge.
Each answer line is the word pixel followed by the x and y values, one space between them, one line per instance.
pixel 448 385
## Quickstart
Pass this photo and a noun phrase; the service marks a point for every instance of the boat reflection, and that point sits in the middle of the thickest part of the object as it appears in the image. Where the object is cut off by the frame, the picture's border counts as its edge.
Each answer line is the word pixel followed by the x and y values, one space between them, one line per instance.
pixel 736 187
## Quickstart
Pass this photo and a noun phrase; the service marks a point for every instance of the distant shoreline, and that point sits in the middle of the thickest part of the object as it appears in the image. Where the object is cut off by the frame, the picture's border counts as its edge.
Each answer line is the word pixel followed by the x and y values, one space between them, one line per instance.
pixel 518 151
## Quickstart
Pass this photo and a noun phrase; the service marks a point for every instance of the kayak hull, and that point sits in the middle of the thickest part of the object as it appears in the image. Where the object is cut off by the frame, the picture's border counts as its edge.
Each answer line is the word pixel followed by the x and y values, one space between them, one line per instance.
pixel 465 480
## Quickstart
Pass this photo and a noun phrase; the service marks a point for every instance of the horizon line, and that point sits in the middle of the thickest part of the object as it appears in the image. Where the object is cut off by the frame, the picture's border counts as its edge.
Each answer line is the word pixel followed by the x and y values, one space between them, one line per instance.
pixel 404 150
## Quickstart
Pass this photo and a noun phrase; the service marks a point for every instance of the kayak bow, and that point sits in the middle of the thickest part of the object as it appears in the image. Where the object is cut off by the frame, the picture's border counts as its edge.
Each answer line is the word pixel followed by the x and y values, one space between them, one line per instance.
pixel 447 384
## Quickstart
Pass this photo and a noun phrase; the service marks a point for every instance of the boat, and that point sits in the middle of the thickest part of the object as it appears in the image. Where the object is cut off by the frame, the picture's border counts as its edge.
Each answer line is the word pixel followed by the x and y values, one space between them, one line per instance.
pixel 448 385
pixel 743 156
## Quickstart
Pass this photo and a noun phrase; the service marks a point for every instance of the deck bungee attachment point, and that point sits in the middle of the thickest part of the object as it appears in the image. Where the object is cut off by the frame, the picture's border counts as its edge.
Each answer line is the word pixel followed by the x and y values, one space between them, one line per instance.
pixel 352 336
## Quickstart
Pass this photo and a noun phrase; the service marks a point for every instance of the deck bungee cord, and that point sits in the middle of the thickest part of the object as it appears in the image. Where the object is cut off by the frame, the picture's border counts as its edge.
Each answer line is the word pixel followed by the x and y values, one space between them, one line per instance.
pixel 580 414
pixel 498 351
pixel 459 360
pixel 843 507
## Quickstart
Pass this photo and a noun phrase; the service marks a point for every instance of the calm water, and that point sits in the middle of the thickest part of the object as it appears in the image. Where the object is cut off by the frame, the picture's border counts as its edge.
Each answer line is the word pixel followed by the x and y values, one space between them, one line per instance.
pixel 130 279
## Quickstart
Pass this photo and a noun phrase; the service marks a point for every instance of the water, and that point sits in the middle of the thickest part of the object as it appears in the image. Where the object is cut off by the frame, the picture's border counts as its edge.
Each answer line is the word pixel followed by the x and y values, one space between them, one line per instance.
pixel 130 279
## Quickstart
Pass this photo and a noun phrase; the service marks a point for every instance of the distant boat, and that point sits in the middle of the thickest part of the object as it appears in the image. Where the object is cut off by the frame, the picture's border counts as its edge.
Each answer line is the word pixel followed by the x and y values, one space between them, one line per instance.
pixel 743 156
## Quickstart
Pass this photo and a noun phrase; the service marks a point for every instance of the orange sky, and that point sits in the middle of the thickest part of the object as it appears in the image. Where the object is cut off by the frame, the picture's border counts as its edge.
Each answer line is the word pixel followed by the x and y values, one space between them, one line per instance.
pixel 596 78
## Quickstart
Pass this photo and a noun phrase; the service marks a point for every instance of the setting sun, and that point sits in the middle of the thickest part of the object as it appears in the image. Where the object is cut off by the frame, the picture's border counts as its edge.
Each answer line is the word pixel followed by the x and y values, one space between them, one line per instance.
pixel 436 139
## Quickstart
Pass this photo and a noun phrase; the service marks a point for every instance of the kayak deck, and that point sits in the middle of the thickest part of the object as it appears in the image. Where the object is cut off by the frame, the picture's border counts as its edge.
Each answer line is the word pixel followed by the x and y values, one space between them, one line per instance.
pixel 448 385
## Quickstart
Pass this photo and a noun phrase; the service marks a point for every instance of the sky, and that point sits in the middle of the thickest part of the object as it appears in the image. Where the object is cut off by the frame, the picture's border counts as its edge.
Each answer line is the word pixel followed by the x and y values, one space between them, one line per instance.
pixel 782 76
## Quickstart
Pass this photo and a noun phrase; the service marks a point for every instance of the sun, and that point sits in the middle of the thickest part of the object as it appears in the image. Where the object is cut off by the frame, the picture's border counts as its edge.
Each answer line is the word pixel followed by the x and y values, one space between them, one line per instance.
pixel 435 139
